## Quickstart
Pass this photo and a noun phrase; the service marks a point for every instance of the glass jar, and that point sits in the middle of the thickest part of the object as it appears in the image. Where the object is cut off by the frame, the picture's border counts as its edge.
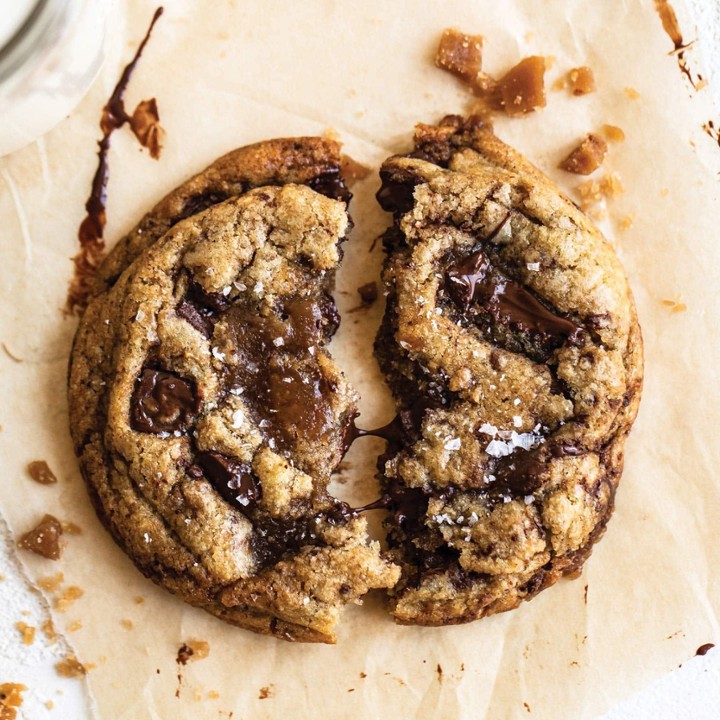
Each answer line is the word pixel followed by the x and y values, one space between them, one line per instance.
pixel 50 52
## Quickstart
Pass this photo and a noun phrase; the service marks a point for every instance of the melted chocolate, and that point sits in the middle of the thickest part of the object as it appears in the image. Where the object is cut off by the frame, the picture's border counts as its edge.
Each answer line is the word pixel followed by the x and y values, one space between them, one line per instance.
pixel 144 123
pixel 331 184
pixel 704 649
pixel 672 27
pixel 403 429
pixel 162 403
pixel 275 537
pixel 201 308
pixel 234 480
pixel 474 283
pixel 288 392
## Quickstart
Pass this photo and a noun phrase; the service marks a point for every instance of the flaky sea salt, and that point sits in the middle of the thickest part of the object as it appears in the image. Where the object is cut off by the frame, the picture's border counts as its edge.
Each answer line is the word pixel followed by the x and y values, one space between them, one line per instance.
pixel 452 444
pixel 278 342
pixel 534 267
pixel 238 417
pixel 217 354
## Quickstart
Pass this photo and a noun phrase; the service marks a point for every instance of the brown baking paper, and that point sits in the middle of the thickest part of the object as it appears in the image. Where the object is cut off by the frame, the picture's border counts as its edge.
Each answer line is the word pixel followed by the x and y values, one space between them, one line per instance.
pixel 230 73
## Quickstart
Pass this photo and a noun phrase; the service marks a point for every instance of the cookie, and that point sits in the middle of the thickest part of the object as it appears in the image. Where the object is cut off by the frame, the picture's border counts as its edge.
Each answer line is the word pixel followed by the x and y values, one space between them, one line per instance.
pixel 208 415
pixel 512 347
pixel 310 161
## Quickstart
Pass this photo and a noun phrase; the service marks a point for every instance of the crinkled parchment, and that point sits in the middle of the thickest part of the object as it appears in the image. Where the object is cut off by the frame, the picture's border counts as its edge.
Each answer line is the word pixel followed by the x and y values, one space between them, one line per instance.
pixel 230 73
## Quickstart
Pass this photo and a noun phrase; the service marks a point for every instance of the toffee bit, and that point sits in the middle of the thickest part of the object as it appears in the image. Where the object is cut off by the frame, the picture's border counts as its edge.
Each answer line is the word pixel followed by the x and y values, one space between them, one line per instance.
pixel 10 699
pixel 70 667
pixel 522 89
pixel 587 157
pixel 613 133
pixel 44 538
pixel 27 632
pixel 67 598
pixel 581 81
pixel 41 473
pixel 460 54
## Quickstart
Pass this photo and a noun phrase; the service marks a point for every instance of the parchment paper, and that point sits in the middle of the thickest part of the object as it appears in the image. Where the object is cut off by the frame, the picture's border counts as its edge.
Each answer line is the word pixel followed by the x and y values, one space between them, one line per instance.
pixel 230 73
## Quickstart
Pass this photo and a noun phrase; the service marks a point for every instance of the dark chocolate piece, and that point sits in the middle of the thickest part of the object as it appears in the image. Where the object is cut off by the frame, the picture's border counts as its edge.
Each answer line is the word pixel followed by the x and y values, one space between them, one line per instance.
pixel 234 480
pixel 331 184
pixel 163 403
pixel 474 281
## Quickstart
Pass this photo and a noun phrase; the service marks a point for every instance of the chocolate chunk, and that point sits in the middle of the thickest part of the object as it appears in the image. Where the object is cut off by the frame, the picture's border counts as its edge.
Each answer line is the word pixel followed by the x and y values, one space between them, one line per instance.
pixel 163 403
pixel 475 281
pixel 197 295
pixel 202 201
pixel 275 537
pixel 200 320
pixel 331 184
pixel 234 480
pixel 397 191
pixel 704 649
pixel 44 538
pixel 41 473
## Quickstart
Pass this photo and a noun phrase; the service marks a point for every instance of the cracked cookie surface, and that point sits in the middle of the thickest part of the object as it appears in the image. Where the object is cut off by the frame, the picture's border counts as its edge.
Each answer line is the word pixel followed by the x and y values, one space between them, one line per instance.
pixel 208 415
pixel 511 344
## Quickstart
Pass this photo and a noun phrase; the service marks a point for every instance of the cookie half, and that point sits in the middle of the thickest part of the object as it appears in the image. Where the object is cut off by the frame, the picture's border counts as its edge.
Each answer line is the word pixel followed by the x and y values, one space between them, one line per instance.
pixel 512 347
pixel 208 415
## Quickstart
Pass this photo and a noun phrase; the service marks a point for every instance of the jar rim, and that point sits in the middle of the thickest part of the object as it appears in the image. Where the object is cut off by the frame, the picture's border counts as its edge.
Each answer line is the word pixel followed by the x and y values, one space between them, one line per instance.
pixel 23 43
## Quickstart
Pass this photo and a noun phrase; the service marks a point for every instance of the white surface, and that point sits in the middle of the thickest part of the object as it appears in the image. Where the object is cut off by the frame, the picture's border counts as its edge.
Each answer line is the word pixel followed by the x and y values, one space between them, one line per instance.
pixel 33 665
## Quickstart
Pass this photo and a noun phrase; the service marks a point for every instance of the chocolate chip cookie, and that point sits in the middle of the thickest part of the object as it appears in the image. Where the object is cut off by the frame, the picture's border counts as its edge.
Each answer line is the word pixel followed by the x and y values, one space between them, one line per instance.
pixel 511 344
pixel 205 410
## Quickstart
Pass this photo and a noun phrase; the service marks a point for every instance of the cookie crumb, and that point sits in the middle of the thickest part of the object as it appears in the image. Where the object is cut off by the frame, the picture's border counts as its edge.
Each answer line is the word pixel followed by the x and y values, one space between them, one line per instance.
pixel 52 582
pixel 41 473
pixel 127 624
pixel 74 626
pixel 676 305
pixel 581 81
pixel 27 632
pixel 10 699
pixel 613 133
pixel 67 598
pixel 44 538
pixel 631 93
pixel 139 599
pixel 587 157
pixel 266 692
pixel 70 667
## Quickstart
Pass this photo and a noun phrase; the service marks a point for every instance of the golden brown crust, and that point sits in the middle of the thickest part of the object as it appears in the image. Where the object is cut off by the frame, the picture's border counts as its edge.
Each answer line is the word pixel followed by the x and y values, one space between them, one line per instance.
pixel 272 162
